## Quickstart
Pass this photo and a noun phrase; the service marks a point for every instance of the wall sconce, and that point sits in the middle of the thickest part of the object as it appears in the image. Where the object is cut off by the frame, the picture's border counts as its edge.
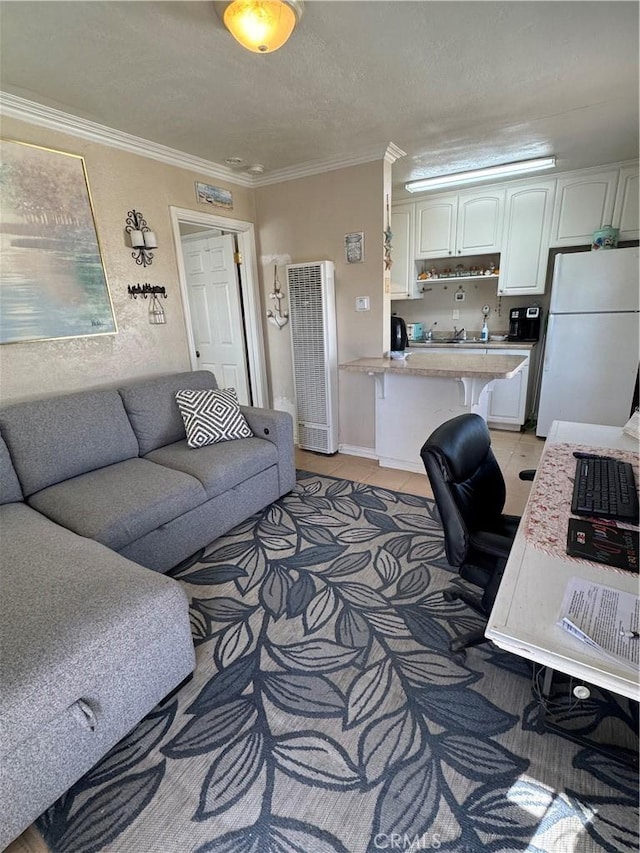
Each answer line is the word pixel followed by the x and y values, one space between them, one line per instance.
pixel 157 316
pixel 141 238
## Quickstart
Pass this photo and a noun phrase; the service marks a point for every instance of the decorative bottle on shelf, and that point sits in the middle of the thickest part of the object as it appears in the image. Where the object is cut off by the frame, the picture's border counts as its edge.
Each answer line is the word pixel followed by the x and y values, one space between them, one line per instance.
pixel 484 334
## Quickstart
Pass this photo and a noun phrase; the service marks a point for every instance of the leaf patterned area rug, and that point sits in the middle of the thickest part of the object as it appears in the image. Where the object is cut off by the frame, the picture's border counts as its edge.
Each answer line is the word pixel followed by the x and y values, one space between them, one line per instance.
pixel 326 714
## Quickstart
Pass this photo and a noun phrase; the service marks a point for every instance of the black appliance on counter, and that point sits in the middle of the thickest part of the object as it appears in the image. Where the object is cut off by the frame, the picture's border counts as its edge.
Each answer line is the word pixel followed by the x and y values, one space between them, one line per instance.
pixel 524 323
pixel 399 339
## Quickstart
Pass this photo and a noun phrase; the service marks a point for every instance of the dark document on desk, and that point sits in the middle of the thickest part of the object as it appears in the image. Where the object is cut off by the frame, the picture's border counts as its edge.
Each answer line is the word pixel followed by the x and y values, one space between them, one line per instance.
pixel 601 542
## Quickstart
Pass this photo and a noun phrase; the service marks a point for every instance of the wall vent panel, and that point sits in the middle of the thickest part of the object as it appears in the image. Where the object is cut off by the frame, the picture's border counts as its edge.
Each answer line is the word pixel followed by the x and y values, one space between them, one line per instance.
pixel 315 354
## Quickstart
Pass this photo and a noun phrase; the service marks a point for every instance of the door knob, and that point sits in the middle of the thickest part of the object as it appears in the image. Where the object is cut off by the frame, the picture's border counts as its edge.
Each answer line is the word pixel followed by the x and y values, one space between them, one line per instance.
pixel 197 353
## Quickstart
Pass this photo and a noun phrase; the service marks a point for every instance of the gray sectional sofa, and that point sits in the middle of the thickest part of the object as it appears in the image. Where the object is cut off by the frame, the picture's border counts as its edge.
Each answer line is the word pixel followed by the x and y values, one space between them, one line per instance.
pixel 96 489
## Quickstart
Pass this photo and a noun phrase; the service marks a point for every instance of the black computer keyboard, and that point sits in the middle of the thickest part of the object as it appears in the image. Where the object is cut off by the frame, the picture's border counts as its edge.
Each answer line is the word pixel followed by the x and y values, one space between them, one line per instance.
pixel 605 488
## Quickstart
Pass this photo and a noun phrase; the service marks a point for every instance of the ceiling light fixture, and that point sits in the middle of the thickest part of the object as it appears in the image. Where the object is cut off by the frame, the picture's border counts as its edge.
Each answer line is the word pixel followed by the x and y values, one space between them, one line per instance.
pixel 261 26
pixel 506 169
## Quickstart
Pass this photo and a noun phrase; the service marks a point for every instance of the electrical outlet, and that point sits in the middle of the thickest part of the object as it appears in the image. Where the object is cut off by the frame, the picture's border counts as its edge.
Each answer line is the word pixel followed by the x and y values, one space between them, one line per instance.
pixel 455 314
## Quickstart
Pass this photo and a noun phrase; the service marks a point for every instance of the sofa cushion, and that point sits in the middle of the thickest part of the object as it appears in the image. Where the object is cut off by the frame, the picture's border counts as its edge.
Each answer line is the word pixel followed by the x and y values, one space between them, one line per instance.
pixel 61 437
pixel 219 467
pixel 212 416
pixel 79 623
pixel 120 503
pixel 9 485
pixel 152 408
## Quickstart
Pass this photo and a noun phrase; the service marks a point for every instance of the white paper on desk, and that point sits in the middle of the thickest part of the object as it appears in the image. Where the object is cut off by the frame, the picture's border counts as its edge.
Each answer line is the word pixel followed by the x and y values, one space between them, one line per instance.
pixel 599 615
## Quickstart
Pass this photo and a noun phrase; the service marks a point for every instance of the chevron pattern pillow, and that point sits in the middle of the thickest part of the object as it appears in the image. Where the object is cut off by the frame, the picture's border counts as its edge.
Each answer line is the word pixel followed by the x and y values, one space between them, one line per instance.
pixel 212 416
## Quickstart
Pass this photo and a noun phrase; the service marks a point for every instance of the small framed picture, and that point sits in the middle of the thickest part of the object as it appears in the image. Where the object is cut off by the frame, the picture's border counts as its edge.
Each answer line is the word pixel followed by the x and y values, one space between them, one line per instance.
pixel 215 196
pixel 354 247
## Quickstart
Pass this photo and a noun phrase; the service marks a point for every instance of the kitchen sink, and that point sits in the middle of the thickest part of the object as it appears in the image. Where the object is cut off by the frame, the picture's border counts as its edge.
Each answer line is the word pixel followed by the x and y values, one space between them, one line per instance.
pixel 454 341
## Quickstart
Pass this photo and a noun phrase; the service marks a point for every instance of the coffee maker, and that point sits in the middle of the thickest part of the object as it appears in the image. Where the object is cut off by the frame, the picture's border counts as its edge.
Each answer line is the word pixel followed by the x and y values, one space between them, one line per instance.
pixel 399 340
pixel 524 323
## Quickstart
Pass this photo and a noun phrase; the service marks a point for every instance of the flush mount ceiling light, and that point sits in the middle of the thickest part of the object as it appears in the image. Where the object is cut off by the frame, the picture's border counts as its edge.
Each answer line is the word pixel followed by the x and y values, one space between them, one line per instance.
pixel 261 26
pixel 506 169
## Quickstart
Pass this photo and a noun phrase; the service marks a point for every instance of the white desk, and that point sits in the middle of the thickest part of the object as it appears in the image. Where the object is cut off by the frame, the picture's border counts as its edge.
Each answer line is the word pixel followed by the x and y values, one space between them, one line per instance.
pixel 525 614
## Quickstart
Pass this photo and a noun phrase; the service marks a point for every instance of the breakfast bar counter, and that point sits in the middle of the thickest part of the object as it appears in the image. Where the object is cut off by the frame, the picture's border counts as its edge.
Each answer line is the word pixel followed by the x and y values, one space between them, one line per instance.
pixel 451 365
pixel 417 394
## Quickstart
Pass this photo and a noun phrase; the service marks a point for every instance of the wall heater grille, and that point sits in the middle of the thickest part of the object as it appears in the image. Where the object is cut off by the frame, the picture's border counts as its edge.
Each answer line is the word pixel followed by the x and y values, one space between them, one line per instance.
pixel 315 354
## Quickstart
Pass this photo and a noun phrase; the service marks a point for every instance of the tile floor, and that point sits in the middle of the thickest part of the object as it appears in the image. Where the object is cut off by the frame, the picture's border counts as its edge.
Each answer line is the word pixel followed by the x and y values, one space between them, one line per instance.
pixel 513 450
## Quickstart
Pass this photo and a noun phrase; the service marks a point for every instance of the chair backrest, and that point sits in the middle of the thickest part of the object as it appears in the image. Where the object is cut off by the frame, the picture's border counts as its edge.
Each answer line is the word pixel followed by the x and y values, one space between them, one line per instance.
pixel 467 483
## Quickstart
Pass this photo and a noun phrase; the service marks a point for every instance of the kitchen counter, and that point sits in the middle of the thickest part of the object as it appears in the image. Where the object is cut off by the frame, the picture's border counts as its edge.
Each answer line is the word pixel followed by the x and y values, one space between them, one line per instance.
pixel 417 394
pixel 446 365
pixel 472 344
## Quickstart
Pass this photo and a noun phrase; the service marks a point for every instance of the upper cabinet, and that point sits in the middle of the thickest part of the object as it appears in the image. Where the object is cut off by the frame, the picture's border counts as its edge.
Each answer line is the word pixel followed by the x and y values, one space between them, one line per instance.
pixel 527 225
pixel 584 203
pixel 467 223
pixel 521 220
pixel 403 273
pixel 625 211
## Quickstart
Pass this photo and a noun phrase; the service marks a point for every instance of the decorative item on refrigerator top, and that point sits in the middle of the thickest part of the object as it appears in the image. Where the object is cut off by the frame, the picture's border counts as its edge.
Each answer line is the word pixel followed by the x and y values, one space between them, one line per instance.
pixel 399 339
pixel 524 323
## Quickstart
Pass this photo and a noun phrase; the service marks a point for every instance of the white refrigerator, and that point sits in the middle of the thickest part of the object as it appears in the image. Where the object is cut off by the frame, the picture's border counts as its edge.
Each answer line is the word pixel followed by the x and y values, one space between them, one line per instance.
pixel 591 351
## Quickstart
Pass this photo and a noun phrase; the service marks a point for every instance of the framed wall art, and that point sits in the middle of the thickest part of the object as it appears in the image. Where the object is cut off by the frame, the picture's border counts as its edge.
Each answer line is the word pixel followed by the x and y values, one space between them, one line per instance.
pixel 214 196
pixel 354 247
pixel 52 279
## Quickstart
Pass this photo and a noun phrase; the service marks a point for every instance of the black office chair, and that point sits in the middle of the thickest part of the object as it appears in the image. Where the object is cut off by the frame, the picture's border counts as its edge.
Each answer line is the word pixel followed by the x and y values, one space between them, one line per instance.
pixel 469 491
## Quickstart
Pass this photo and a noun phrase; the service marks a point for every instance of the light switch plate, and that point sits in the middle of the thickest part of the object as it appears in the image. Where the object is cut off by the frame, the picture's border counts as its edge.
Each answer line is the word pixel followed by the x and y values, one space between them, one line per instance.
pixel 362 303
pixel 455 314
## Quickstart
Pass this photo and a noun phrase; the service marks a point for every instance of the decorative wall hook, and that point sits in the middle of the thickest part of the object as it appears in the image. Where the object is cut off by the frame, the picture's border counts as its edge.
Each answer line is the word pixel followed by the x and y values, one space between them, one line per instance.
pixel 276 316
pixel 146 289
pixel 141 237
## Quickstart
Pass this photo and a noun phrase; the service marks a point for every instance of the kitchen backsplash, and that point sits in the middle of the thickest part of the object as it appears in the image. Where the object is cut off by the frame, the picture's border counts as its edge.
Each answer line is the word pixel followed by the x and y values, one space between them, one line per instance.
pixel 438 303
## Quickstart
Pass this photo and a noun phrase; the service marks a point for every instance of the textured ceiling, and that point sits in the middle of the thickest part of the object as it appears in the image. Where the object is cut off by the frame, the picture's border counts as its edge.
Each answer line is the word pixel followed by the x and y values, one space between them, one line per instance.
pixel 453 84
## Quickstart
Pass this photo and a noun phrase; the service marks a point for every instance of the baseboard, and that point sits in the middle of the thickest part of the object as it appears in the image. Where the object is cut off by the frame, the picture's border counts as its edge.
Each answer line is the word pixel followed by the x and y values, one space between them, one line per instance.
pixel 401 465
pixel 355 450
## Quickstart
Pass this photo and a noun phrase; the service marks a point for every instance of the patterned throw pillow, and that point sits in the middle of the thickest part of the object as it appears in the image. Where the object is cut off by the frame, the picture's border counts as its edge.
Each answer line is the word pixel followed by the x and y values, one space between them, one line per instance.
pixel 212 416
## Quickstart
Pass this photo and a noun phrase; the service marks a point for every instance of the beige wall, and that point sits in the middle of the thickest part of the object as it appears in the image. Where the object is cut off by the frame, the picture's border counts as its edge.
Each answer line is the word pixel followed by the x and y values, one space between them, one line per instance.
pixel 306 220
pixel 119 181
pixel 296 221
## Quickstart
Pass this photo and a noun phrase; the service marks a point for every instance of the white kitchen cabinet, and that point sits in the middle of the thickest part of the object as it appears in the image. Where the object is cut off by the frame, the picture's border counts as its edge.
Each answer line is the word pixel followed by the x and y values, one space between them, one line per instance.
pixel 508 397
pixel 480 221
pixel 403 271
pixel 625 211
pixel 584 203
pixel 435 228
pixel 467 223
pixel 525 239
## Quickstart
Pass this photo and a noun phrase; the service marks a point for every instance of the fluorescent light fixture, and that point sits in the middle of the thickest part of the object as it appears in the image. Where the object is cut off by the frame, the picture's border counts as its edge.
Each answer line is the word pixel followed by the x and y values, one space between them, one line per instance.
pixel 520 168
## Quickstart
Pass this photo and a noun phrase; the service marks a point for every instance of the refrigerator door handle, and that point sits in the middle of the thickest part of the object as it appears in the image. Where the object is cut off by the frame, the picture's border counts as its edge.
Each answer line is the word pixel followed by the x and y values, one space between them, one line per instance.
pixel 550 340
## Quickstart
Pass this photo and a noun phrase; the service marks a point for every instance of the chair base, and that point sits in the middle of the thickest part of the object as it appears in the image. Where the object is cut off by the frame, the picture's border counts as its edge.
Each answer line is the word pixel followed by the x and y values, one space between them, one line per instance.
pixel 471 638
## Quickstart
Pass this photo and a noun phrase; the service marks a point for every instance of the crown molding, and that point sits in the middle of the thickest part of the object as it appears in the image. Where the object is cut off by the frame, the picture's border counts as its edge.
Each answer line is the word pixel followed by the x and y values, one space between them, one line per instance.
pixel 54 119
pixel 318 167
pixel 33 113
pixel 393 153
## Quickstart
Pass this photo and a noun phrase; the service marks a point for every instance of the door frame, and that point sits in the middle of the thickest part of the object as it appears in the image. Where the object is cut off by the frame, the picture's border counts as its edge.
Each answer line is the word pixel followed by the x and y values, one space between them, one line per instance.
pixel 249 287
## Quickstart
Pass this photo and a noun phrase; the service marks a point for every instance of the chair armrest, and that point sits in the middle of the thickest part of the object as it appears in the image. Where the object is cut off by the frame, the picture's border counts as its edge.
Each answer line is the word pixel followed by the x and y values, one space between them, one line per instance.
pixel 527 474
pixel 276 427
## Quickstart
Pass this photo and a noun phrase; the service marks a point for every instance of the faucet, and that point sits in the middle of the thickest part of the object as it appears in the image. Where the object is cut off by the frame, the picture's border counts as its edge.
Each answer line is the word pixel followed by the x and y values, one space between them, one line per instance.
pixel 459 334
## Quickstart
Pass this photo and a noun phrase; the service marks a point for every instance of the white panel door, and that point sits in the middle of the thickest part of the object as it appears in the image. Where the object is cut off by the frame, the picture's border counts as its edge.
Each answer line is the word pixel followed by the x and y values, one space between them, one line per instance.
pixel 216 311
